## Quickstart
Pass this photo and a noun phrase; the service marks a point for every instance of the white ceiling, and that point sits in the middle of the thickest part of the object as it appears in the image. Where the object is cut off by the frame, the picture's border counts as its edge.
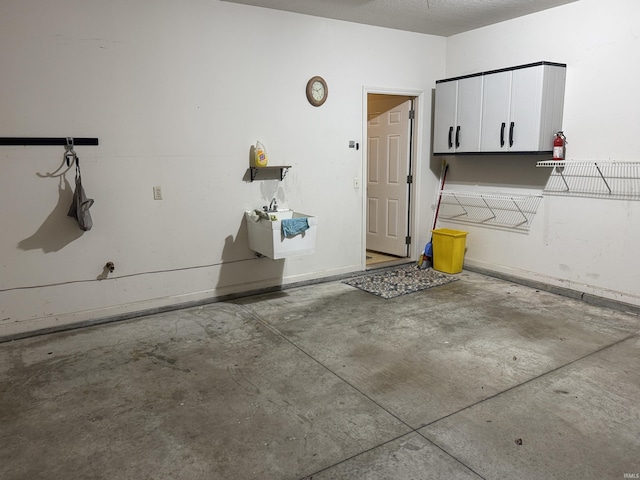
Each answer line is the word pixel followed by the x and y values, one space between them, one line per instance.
pixel 436 17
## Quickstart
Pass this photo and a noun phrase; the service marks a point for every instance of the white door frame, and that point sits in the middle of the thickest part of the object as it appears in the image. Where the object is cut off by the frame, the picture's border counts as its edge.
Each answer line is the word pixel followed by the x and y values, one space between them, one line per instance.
pixel 416 155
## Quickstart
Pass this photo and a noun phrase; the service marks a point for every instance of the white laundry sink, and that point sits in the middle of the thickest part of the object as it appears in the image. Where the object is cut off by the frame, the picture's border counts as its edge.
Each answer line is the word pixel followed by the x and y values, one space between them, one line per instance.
pixel 266 238
pixel 284 213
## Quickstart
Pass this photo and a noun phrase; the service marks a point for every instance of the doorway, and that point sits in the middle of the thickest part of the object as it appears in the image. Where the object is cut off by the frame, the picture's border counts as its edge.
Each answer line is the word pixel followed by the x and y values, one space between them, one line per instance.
pixel 389 177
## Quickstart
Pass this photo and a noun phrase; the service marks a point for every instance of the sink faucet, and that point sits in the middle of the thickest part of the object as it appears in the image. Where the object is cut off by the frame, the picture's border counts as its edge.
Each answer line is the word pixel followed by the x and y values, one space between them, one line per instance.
pixel 273 206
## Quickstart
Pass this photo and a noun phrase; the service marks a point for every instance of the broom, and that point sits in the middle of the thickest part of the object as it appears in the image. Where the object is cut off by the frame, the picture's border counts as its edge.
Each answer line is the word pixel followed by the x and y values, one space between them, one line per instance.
pixel 428 249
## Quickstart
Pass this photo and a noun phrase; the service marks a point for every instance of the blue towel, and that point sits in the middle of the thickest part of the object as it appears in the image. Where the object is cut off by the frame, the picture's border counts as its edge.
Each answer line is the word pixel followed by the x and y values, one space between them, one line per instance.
pixel 293 226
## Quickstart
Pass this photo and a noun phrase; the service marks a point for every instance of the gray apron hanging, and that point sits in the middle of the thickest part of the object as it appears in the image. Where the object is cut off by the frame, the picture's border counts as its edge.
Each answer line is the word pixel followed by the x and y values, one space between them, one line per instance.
pixel 81 204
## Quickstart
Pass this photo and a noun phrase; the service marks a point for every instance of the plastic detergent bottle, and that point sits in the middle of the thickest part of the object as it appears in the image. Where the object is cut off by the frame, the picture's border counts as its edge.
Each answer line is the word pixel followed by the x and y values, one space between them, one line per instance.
pixel 260 159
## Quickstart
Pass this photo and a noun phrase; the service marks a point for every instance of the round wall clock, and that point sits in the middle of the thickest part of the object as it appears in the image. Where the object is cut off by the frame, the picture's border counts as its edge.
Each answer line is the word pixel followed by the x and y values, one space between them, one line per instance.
pixel 317 91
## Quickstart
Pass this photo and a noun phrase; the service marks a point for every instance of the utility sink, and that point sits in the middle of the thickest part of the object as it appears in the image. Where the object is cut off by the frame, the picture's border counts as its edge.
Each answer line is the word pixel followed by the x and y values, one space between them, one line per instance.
pixel 284 213
pixel 266 238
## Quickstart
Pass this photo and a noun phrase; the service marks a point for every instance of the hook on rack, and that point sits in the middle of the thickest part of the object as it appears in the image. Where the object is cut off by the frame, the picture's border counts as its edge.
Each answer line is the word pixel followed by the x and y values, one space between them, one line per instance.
pixel 70 155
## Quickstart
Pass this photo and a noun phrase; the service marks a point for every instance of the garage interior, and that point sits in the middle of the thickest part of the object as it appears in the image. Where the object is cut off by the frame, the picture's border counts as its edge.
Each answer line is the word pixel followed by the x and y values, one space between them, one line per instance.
pixel 159 344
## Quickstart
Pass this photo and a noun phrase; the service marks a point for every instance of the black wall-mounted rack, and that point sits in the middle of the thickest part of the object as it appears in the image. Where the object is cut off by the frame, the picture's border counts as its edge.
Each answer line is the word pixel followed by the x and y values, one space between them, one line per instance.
pixel 46 141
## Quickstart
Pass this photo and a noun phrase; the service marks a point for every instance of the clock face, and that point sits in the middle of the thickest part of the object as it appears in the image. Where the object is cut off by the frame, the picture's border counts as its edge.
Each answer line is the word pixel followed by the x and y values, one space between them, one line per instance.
pixel 317 91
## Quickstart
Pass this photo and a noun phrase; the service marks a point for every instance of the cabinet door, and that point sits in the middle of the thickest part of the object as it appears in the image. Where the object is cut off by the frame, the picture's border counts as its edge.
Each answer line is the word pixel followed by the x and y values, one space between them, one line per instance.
pixel 445 116
pixel 469 112
pixel 495 112
pixel 526 109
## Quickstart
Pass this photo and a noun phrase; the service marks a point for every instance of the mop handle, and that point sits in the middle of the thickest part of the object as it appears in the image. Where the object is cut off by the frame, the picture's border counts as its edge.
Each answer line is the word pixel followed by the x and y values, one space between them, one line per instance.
pixel 444 176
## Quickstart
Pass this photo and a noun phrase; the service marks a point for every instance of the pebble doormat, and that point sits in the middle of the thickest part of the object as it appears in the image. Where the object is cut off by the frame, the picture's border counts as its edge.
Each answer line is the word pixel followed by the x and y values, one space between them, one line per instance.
pixel 390 283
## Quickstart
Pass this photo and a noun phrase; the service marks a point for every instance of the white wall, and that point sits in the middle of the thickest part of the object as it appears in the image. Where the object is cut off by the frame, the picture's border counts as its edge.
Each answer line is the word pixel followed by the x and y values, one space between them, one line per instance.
pixel 585 244
pixel 177 91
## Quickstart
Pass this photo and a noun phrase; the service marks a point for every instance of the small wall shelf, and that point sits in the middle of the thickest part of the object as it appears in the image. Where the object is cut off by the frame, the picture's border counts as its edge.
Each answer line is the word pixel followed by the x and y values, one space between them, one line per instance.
pixel 514 211
pixel 283 171
pixel 600 179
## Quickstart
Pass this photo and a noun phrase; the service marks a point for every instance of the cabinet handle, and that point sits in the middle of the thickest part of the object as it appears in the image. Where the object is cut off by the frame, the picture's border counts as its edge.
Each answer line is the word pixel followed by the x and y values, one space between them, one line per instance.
pixel 502 134
pixel 513 124
pixel 457 136
pixel 450 134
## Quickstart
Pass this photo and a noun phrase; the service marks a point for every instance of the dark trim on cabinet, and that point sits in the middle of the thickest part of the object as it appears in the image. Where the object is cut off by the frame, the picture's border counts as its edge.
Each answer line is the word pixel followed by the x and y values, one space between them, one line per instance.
pixel 545 152
pixel 518 67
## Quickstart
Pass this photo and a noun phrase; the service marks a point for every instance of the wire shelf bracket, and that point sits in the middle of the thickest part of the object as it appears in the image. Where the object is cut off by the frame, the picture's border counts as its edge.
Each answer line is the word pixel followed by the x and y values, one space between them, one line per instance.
pixel 599 179
pixel 507 210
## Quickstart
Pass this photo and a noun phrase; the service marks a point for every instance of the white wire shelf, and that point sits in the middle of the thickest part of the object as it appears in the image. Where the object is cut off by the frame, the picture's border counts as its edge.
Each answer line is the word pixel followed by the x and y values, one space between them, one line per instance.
pixel 501 209
pixel 600 179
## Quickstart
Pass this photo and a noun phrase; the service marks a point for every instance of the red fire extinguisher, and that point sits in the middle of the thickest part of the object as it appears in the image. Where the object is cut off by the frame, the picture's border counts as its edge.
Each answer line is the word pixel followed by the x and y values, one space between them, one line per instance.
pixel 559 143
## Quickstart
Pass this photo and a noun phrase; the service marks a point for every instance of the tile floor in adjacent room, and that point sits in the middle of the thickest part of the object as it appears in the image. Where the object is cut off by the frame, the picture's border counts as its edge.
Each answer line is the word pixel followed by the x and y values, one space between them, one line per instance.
pixel 479 378
pixel 377 258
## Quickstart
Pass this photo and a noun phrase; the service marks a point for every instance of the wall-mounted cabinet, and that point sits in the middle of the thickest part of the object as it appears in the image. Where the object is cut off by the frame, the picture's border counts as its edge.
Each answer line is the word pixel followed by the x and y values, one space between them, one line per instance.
pixel 513 110
pixel 458 111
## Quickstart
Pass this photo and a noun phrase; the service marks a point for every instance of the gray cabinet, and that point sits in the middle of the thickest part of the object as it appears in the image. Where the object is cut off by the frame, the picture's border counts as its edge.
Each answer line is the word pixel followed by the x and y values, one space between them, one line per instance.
pixel 457 113
pixel 517 110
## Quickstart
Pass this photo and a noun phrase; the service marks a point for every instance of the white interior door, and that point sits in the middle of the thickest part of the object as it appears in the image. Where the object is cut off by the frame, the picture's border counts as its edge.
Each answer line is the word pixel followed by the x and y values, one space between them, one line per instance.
pixel 388 132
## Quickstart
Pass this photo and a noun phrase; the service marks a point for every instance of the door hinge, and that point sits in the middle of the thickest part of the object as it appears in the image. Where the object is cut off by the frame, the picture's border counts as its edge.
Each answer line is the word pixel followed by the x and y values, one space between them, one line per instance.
pixel 407 240
pixel 412 114
pixel 409 178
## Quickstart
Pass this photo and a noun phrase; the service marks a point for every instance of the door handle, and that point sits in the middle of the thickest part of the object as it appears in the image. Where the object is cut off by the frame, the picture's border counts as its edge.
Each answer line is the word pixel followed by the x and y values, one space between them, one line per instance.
pixel 450 134
pixel 457 136
pixel 511 127
pixel 502 134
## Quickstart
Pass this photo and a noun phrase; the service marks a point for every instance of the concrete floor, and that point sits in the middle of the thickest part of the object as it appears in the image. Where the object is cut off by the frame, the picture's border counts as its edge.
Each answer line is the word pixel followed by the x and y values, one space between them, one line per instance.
pixel 328 382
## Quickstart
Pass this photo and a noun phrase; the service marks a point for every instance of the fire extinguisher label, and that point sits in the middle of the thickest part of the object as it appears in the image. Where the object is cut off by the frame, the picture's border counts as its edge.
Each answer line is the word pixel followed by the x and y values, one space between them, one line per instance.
pixel 558 153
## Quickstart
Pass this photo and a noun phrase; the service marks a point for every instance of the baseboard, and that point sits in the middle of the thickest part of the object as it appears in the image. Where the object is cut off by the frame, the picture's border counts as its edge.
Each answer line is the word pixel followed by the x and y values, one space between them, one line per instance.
pixel 161 305
pixel 303 280
pixel 539 284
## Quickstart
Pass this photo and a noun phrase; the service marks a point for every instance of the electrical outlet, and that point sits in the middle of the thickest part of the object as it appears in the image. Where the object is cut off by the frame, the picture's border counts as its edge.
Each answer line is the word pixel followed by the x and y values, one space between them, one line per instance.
pixel 157 193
